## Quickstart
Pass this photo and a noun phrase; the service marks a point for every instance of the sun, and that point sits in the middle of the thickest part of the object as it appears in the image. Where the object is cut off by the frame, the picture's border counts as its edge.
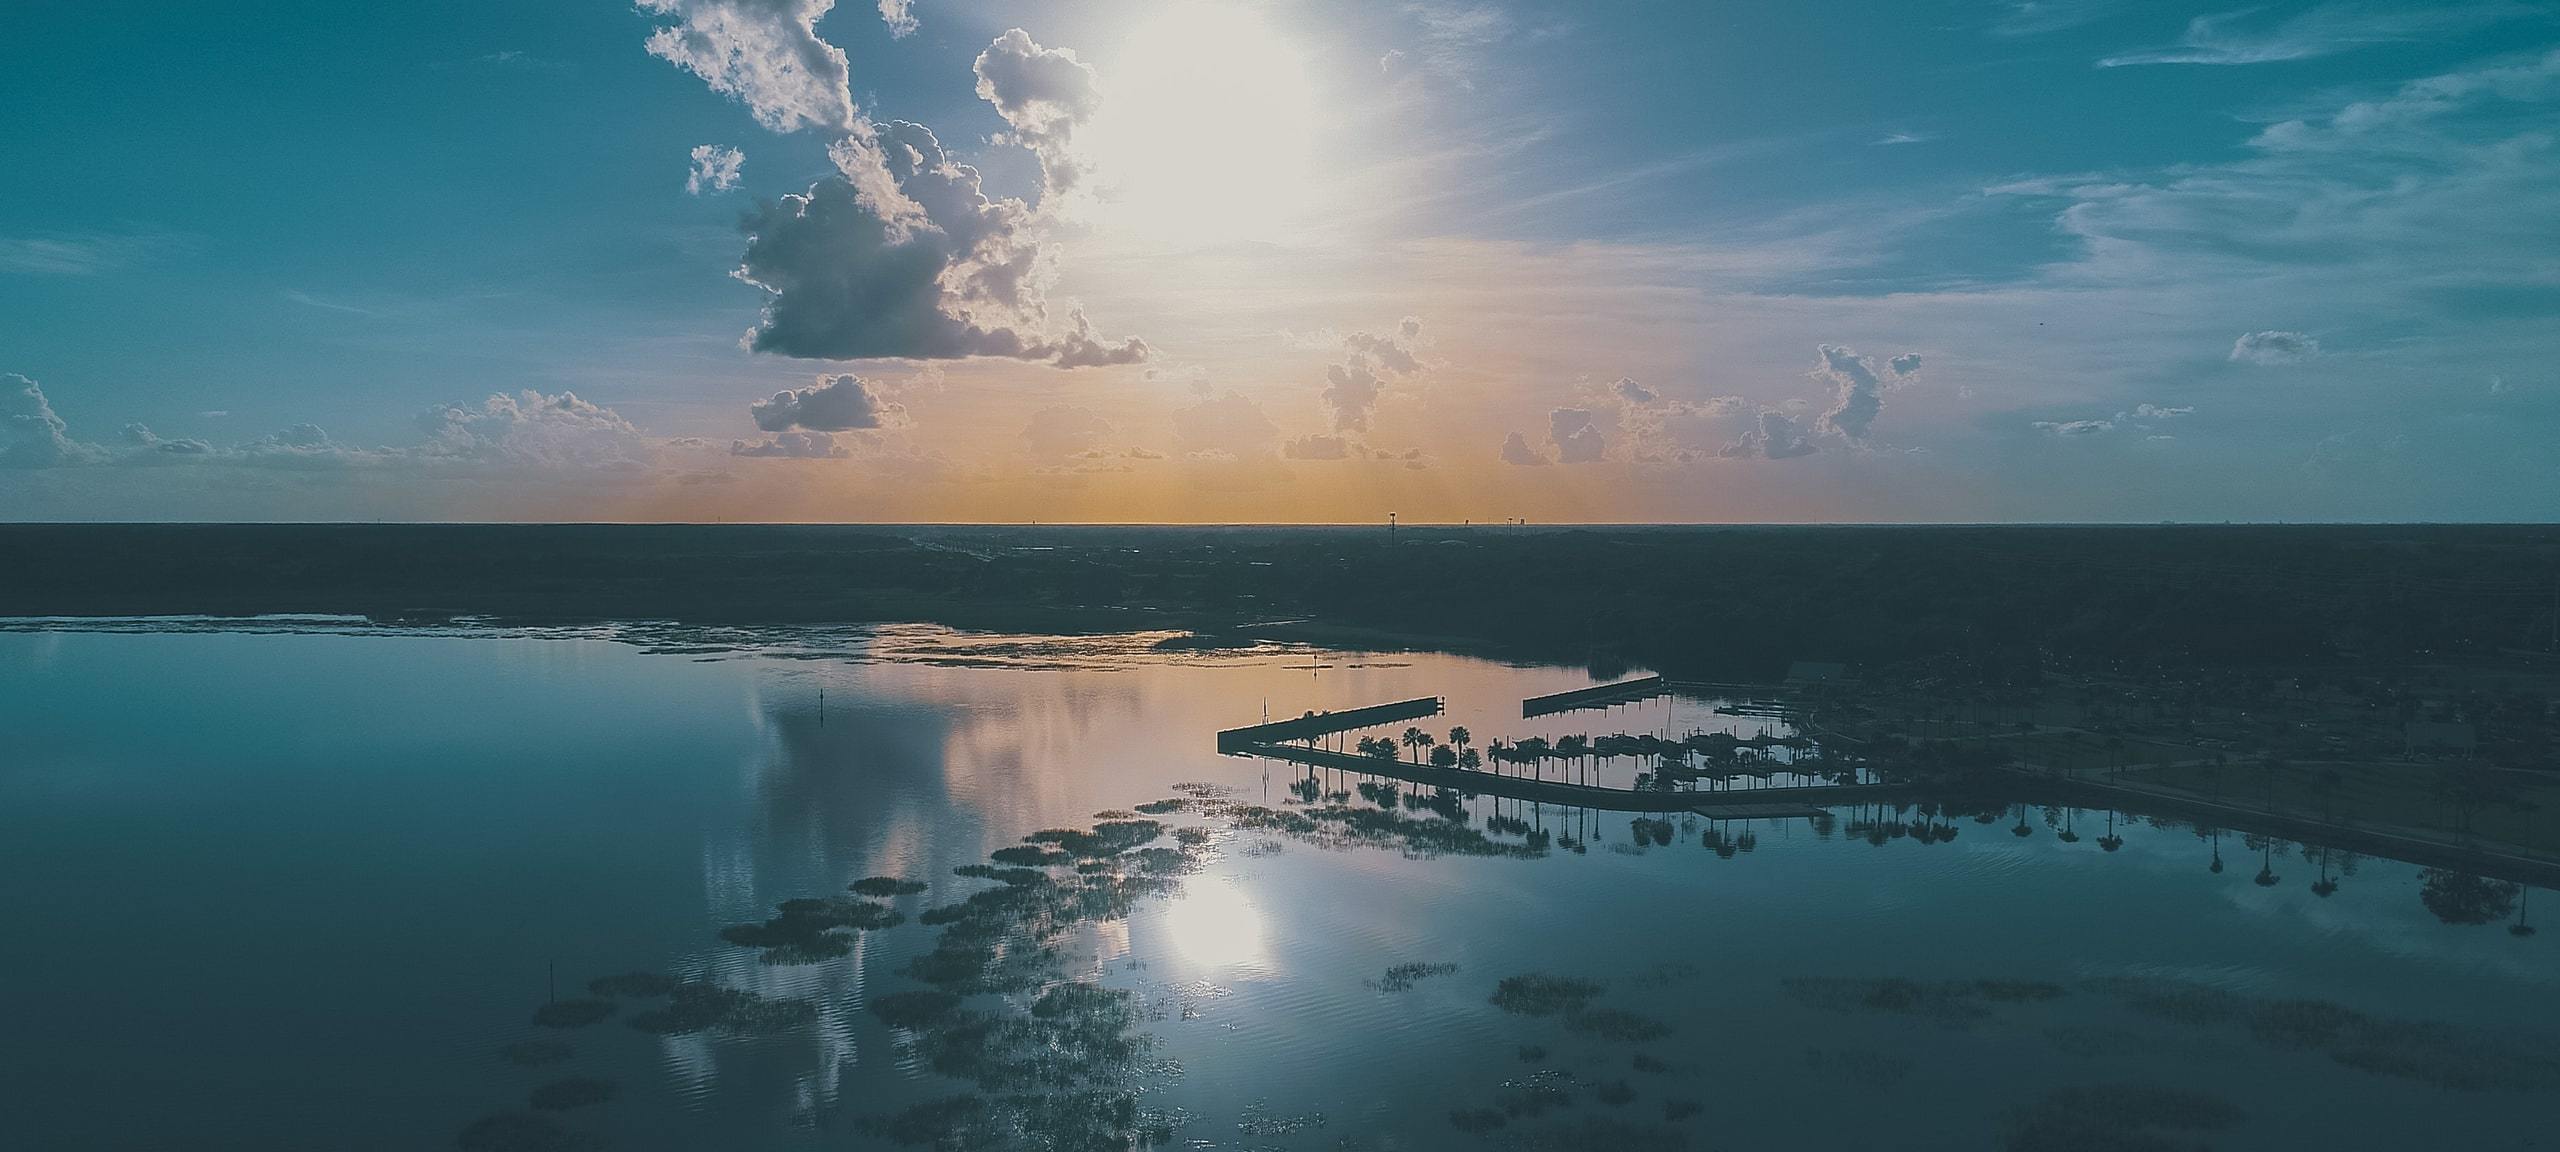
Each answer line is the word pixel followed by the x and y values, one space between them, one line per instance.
pixel 1207 128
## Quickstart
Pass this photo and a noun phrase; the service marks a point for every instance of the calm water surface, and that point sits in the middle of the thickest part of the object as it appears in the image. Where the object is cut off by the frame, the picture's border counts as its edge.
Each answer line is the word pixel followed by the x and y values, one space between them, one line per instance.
pixel 298 885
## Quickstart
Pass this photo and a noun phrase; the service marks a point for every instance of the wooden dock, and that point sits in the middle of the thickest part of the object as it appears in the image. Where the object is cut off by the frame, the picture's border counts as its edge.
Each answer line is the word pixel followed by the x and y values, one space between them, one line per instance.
pixel 1326 723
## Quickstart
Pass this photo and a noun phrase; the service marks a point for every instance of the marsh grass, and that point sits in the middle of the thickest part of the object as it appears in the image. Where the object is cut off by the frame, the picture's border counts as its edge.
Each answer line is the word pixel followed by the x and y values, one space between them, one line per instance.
pixel 914 1009
pixel 1617 1025
pixel 885 886
pixel 1031 856
pixel 1403 977
pixel 808 930
pixel 693 1008
pixel 2443 1055
pixel 1056 1063
pixel 1540 994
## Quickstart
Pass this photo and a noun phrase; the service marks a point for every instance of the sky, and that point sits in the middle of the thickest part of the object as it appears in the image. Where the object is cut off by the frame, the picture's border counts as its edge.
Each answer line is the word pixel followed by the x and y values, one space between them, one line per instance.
pixel 1285 260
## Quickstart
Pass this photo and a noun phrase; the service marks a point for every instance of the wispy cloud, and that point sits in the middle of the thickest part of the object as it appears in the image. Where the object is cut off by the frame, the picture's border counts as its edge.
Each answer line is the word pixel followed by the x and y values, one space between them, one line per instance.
pixel 2230 38
pixel 81 253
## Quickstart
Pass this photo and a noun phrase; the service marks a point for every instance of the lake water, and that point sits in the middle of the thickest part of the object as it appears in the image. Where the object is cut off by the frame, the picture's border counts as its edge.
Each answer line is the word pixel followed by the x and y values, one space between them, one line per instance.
pixel 306 885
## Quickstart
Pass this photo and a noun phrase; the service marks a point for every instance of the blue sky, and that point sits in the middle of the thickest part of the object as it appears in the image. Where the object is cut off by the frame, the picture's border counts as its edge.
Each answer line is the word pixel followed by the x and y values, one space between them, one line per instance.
pixel 1954 260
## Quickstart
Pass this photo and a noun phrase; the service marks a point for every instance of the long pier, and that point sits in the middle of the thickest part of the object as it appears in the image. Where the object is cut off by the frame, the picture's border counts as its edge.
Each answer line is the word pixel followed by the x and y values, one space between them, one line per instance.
pixel 1641 688
pixel 1596 696
pixel 1572 795
pixel 1326 723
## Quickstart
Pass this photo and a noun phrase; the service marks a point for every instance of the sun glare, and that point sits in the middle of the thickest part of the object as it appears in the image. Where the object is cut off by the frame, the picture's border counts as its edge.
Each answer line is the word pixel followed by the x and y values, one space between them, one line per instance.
pixel 1207 127
pixel 1212 925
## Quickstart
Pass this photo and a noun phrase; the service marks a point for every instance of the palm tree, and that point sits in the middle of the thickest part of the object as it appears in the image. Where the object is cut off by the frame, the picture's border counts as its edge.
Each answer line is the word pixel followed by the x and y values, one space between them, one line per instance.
pixel 1460 738
pixel 1469 759
pixel 1444 757
pixel 1417 740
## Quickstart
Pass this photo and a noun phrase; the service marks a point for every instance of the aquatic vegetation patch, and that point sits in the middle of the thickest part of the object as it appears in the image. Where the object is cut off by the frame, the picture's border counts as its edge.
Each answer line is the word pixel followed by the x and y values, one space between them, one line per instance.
pixel 918 1008
pixel 1614 1093
pixel 536 1053
pixel 1536 1094
pixel 1679 1108
pixel 1858 1065
pixel 2444 1055
pixel 2127 1117
pixel 1539 994
pixel 698 1007
pixel 1108 838
pixel 1010 877
pixel 572 1013
pixel 1340 825
pixel 521 1132
pixel 1647 1063
pixel 1532 1053
pixel 632 985
pixel 808 930
pixel 573 1092
pixel 883 886
pixel 1030 856
pixel 1403 977
pixel 948 1122
pixel 1164 807
pixel 1955 1003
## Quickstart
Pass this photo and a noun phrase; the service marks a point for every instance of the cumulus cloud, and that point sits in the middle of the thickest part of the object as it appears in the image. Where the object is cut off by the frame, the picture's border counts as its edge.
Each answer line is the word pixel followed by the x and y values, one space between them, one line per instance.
pixel 1632 392
pixel 1858 391
pixel 1776 436
pixel 1231 425
pixel 2274 348
pixel 792 446
pixel 1318 446
pixel 901 254
pixel 1352 387
pixel 843 403
pixel 765 53
pixel 1516 450
pixel 1577 441
pixel 900 16
pixel 532 428
pixel 715 168
pixel 31 435
pixel 1064 431
pixel 849 282
pixel 1043 95
pixel 529 430
pixel 141 436
pixel 1904 365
